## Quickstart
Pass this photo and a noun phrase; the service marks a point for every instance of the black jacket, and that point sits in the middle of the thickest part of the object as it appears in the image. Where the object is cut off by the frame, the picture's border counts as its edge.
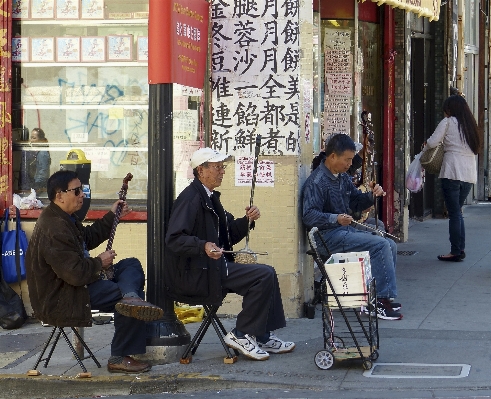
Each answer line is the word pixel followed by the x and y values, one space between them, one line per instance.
pixel 191 276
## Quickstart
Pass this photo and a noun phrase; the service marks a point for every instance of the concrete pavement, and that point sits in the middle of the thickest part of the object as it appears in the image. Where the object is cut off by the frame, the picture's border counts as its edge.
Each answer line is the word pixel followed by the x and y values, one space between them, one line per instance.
pixel 439 349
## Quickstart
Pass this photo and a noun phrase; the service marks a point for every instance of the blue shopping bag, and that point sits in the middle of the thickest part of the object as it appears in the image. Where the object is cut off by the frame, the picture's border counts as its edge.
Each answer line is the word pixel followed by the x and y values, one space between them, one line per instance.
pixel 14 248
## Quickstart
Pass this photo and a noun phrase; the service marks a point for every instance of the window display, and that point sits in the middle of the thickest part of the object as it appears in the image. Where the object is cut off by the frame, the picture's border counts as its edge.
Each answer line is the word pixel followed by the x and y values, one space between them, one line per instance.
pixel 85 84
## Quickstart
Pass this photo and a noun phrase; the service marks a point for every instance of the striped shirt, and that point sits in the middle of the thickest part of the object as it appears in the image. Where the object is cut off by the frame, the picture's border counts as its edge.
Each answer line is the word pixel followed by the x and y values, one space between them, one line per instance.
pixel 325 196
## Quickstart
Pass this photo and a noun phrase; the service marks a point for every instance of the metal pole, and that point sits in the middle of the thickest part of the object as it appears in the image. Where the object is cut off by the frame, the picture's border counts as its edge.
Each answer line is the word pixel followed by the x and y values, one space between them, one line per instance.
pixel 388 161
pixel 168 331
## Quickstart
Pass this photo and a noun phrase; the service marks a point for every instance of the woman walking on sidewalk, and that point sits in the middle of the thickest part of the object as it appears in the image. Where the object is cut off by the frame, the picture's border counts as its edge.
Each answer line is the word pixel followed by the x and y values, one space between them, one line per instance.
pixel 458 131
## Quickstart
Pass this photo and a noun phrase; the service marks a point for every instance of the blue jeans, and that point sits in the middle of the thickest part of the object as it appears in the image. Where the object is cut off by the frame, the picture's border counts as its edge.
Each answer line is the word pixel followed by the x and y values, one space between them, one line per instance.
pixel 129 334
pixel 455 192
pixel 383 254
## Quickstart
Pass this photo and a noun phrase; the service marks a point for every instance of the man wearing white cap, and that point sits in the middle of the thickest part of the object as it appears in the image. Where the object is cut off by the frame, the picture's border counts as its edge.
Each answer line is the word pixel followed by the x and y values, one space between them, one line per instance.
pixel 198 272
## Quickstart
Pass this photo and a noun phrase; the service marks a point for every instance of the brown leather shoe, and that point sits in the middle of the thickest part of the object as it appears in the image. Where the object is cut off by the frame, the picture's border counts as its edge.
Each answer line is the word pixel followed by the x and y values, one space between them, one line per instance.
pixel 128 365
pixel 139 309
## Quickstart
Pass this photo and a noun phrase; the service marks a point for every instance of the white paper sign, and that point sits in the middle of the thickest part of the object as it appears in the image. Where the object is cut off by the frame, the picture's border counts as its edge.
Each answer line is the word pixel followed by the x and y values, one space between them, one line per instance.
pixel 244 167
pixel 99 157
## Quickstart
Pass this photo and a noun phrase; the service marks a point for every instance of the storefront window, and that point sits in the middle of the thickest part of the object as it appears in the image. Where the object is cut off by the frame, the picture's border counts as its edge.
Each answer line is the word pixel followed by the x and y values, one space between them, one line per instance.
pixel 79 75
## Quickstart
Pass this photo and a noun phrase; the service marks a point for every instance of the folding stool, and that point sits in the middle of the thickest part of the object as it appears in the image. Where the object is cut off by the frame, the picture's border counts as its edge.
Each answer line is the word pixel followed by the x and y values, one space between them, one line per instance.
pixel 210 318
pixel 60 331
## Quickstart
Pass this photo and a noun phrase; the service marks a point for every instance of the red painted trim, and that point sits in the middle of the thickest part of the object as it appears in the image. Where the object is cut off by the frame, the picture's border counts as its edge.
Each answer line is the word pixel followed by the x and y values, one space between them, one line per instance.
pixel 337 9
pixel 135 216
pixel 388 160
pixel 6 105
pixel 368 12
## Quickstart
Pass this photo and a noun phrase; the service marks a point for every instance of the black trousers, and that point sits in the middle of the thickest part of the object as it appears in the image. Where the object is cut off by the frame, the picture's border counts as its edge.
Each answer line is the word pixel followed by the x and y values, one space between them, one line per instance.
pixel 262 308
pixel 129 334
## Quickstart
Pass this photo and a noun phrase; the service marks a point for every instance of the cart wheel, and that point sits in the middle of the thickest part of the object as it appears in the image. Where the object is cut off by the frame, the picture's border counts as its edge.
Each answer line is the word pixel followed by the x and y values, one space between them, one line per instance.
pixel 374 355
pixel 367 364
pixel 338 342
pixel 324 359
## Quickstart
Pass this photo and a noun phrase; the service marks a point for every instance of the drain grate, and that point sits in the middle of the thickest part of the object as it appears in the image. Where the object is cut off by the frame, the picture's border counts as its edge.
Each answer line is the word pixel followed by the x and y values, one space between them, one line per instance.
pixel 418 370
pixel 407 253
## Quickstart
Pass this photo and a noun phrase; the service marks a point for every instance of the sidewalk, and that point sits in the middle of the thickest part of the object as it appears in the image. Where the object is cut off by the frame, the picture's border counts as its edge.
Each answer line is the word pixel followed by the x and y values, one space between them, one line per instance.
pixel 445 323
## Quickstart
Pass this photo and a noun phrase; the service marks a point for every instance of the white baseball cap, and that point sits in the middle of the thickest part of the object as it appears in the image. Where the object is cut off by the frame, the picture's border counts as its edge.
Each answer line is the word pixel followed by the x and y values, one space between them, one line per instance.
pixel 206 154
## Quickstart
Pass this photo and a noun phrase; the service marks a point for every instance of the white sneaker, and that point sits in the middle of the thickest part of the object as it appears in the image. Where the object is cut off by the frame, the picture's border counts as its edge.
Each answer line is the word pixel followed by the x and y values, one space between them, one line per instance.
pixel 276 345
pixel 246 345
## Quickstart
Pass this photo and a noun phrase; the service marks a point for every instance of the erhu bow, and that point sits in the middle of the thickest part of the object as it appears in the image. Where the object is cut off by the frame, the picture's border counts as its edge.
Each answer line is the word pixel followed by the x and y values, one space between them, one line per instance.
pixel 108 274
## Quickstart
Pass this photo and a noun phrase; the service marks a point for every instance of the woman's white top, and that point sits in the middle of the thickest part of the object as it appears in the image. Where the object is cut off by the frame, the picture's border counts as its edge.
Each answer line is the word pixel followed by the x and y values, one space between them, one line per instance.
pixel 459 162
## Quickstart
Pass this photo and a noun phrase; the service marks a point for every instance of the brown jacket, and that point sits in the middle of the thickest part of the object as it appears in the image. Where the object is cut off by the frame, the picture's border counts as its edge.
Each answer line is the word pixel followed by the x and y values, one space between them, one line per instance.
pixel 58 272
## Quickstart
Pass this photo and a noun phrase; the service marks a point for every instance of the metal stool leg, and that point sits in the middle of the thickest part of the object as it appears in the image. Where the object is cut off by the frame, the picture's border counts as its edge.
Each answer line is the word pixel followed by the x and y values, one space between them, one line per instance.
pixel 53 346
pixel 224 331
pixel 86 347
pixel 59 331
pixel 191 348
pixel 75 354
pixel 40 358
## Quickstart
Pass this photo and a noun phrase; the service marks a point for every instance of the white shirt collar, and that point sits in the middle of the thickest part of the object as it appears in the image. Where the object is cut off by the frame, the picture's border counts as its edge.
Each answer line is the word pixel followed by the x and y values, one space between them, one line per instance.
pixel 207 190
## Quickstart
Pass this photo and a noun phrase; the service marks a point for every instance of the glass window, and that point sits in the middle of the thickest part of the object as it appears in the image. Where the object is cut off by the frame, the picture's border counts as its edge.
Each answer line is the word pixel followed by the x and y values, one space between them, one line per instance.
pixel 80 82
pixel 471 26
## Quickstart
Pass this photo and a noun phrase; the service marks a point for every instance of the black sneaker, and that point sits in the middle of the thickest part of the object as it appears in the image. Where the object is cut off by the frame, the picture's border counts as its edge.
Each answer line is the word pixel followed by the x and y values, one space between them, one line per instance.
pixel 386 312
pixel 393 305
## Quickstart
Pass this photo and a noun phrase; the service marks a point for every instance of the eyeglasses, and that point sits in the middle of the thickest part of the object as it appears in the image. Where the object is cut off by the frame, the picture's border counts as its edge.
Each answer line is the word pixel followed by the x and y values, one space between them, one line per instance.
pixel 218 167
pixel 75 190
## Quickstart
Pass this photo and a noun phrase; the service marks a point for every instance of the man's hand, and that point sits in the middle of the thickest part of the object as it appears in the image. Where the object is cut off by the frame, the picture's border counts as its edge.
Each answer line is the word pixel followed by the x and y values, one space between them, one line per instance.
pixel 377 190
pixel 124 210
pixel 344 220
pixel 252 212
pixel 107 258
pixel 213 251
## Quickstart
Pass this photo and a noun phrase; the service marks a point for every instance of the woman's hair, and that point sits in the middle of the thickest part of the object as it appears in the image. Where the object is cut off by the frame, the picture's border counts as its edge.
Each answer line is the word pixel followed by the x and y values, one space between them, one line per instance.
pixel 59 181
pixel 40 132
pixel 457 106
pixel 340 143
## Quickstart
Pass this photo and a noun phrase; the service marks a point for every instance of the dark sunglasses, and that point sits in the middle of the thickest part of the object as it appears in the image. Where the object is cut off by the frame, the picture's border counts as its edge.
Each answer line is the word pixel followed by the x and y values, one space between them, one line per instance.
pixel 75 190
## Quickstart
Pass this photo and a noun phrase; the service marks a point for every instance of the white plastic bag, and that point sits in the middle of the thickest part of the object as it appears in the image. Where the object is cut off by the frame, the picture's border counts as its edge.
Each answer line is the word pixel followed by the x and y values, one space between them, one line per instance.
pixel 414 175
pixel 29 202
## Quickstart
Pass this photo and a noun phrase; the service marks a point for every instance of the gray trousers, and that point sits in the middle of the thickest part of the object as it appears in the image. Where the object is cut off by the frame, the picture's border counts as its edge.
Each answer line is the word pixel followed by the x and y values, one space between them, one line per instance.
pixel 262 308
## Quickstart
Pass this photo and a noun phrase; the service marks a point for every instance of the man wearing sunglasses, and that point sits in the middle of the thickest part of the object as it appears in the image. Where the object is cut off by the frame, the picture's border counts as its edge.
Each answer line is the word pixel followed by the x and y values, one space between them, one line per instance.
pixel 65 282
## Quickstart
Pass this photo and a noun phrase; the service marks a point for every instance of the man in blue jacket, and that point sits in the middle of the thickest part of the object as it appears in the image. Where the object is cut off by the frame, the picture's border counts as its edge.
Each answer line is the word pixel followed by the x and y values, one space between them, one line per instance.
pixel 329 198
pixel 197 271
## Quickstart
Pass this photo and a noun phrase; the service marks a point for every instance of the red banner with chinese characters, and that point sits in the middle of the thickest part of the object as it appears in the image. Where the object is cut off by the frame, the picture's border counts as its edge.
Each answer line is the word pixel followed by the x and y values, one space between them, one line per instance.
pixel 178 42
pixel 5 103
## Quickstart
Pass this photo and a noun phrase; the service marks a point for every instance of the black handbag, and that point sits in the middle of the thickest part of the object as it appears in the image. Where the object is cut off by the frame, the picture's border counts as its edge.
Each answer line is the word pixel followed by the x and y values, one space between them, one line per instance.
pixel 12 312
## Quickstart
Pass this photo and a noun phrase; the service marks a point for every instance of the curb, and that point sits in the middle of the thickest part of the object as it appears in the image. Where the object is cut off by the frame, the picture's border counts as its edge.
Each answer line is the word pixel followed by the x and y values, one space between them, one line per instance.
pixel 17 385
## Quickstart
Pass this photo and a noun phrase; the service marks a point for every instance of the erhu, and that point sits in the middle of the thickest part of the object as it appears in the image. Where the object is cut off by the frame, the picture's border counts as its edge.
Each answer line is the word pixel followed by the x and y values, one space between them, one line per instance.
pixel 368 165
pixel 246 255
pixel 108 274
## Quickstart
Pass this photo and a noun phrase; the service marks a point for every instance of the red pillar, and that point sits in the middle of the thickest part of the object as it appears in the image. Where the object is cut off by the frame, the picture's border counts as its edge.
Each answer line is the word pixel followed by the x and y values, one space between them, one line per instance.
pixel 388 118
pixel 5 105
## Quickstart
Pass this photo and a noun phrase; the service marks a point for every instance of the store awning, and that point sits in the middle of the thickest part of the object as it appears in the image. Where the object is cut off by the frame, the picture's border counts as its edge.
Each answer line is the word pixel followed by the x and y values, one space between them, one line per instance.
pixel 424 8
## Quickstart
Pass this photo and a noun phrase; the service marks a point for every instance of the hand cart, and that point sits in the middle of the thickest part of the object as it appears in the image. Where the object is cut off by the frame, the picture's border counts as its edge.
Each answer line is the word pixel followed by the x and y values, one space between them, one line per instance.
pixel 346 334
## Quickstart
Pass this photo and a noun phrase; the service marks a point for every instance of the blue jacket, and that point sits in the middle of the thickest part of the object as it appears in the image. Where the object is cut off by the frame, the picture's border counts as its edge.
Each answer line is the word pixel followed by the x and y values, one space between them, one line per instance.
pixel 325 196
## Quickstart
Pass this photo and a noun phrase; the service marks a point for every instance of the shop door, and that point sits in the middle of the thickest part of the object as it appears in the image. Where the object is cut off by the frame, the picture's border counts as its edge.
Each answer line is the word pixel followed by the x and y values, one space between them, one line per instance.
pixel 422 98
